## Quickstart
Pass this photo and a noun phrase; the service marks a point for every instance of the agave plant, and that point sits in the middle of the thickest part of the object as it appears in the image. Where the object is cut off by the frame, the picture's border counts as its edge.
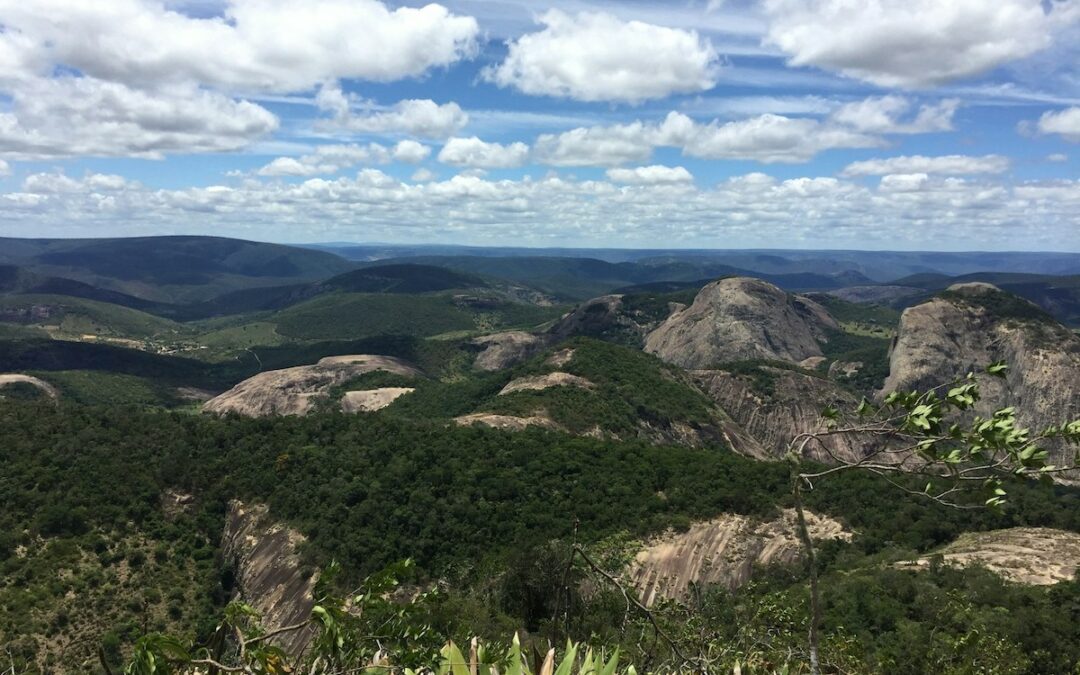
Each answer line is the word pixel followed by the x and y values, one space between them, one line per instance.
pixel 453 662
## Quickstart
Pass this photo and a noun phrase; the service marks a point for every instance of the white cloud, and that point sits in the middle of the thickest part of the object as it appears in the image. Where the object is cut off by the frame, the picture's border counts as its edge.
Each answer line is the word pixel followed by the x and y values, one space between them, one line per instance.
pixel 596 146
pixel 913 43
pixel 423 176
pixel 411 152
pixel 772 139
pixel 270 45
pixel 327 159
pixel 764 138
pixel 904 211
pixel 1065 123
pixel 473 152
pixel 884 115
pixel 905 182
pixel 599 57
pixel 70 116
pixel 5 169
pixel 651 175
pixel 417 117
pixel 1057 157
pixel 950 165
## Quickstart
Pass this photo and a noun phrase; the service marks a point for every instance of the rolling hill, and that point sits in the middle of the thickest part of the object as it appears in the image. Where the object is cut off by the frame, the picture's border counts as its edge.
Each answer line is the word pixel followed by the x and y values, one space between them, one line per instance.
pixel 171 269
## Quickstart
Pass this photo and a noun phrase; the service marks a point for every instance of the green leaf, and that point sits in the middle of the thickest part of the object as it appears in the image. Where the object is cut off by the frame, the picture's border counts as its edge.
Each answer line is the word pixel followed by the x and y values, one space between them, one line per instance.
pixel 998 369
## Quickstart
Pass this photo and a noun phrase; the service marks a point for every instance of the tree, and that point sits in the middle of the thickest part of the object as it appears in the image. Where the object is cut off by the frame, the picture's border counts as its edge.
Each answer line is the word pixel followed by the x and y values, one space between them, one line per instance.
pixel 967 460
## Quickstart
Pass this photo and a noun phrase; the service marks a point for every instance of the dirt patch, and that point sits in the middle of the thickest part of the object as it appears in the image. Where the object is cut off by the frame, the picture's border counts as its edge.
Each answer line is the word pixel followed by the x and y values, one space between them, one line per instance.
pixel 370 400
pixel 560 358
pixel 721 551
pixel 541 382
pixel 1025 555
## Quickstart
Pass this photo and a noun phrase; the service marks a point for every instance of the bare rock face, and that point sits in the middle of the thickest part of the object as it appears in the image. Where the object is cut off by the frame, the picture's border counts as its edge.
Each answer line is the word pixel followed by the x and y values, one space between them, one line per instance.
pixel 737 319
pixel 502 350
pixel 974 325
pixel 506 422
pixel 541 382
pixel 721 551
pixel 370 400
pixel 792 406
pixel 293 391
pixel 594 317
pixel 1025 555
pixel 16 378
pixel 269 575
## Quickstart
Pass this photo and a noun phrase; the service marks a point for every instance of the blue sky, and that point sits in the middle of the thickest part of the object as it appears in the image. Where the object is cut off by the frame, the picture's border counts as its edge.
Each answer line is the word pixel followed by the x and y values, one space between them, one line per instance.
pixel 871 124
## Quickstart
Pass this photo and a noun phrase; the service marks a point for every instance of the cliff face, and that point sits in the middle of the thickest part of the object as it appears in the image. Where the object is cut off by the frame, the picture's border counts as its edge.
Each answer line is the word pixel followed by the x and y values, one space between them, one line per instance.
pixel 269 575
pixel 792 406
pixel 721 551
pixel 741 319
pixel 974 325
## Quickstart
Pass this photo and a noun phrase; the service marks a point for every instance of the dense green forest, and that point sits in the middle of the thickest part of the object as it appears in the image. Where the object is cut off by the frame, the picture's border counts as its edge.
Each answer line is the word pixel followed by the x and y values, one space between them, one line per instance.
pixel 482 510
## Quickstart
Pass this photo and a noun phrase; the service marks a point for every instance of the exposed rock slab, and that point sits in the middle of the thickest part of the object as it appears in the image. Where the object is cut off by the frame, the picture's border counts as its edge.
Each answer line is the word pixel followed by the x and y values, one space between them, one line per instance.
pixel 506 422
pixel 294 391
pixel 738 319
pixel 541 382
pixel 17 378
pixel 1025 555
pixel 721 551
pixel 370 400
pixel 502 350
pixel 947 337
pixel 269 574
pixel 792 407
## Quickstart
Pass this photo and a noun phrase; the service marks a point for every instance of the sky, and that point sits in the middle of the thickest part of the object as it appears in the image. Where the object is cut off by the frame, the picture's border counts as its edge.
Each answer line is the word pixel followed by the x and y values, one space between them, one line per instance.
pixel 857 124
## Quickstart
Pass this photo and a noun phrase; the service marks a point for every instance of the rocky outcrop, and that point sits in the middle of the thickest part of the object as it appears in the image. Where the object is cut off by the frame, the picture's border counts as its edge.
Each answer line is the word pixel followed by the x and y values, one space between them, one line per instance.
pixel 502 350
pixel 370 400
pixel 1026 555
pixel 506 422
pixel 16 378
pixel 721 551
pixel 778 404
pixel 294 391
pixel 541 382
pixel 738 319
pixel 973 325
pixel 268 572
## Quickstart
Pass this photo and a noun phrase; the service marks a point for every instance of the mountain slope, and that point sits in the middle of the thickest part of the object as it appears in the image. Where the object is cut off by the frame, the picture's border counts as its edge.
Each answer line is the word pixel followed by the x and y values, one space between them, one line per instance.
pixel 738 319
pixel 973 325
pixel 171 269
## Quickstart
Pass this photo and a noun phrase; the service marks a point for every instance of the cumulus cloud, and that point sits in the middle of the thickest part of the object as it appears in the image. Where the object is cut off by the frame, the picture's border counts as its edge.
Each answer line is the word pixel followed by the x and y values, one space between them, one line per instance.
pixel 651 175
pixel 763 138
pixel 912 210
pixel 913 43
pixel 410 152
pixel 5 169
pixel 1057 157
pixel 417 117
pixel 271 45
pixel 596 146
pixel 473 152
pixel 951 165
pixel 889 115
pixel 70 116
pixel 327 159
pixel 598 57
pixel 772 139
pixel 1065 123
